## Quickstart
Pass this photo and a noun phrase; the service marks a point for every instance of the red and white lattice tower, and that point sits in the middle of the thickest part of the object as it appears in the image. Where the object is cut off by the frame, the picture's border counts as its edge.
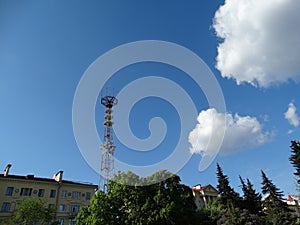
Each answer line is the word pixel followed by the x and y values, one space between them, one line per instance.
pixel 107 148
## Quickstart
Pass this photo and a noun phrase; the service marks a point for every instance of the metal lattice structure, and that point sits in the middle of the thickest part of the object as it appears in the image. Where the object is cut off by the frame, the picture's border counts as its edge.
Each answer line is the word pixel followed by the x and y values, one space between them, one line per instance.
pixel 107 148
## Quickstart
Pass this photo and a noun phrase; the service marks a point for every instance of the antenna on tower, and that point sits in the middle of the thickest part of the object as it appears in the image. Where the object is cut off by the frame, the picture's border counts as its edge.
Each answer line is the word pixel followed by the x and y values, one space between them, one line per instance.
pixel 107 148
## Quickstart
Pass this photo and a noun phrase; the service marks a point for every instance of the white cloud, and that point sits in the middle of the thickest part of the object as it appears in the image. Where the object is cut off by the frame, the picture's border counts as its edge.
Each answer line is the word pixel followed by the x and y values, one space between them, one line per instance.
pixel 291 115
pixel 240 132
pixel 261 41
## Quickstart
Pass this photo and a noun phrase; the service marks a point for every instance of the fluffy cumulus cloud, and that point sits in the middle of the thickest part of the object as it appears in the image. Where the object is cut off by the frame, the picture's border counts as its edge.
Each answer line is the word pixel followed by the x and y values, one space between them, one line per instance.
pixel 291 115
pixel 241 132
pixel 260 41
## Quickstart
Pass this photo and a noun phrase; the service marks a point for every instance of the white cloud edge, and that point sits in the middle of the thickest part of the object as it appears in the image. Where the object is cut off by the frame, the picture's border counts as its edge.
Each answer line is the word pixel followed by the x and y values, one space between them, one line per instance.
pixel 291 116
pixel 241 132
pixel 259 41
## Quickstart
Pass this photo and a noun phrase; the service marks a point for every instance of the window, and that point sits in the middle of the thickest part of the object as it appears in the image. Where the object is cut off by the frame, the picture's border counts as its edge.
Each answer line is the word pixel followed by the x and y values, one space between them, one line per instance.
pixel 72 222
pixel 64 194
pixel 52 193
pixel 26 191
pixel 62 208
pixel 76 195
pixel 9 191
pixel 88 196
pixel 60 221
pixel 74 208
pixel 41 192
pixel 5 207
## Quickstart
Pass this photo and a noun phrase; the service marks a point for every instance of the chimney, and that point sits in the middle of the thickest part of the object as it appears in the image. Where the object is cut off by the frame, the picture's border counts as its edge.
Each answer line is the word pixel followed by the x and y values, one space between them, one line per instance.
pixel 197 187
pixel 58 176
pixel 30 177
pixel 6 170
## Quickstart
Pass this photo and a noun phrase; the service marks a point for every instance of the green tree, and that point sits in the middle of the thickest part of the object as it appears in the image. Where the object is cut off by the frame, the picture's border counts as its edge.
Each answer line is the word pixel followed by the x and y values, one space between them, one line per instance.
pixel 295 159
pixel 276 211
pixel 226 192
pixel 216 214
pixel 210 214
pixel 252 199
pixel 165 202
pixel 236 216
pixel 33 211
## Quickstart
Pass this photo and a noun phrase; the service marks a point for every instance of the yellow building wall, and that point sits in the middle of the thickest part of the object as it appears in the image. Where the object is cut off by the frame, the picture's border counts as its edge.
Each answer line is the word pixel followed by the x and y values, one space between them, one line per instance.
pixel 69 197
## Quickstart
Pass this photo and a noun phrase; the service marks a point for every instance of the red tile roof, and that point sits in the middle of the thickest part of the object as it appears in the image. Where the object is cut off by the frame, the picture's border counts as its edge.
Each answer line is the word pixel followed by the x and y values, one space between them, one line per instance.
pixel 200 189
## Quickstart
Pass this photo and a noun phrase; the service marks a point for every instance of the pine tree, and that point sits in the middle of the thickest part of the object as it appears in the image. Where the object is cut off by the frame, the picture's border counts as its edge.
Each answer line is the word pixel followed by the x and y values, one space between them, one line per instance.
pixel 227 193
pixel 252 199
pixel 295 158
pixel 276 211
pixel 270 189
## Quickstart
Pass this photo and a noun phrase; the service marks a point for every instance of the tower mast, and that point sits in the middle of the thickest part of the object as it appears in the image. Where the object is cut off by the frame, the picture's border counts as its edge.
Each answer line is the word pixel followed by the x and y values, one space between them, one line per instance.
pixel 107 148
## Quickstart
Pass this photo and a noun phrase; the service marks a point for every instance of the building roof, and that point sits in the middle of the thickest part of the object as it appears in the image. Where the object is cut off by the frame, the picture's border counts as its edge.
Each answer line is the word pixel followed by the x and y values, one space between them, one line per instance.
pixel 33 178
pixel 198 187
pixel 290 198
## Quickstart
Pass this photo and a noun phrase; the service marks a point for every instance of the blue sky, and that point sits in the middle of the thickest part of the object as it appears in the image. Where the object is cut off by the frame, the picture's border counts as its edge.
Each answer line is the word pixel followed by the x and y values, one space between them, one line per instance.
pixel 251 48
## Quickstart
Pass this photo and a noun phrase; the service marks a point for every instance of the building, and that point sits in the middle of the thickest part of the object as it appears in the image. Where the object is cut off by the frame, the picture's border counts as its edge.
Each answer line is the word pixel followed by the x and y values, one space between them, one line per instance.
pixel 66 196
pixel 293 204
pixel 291 201
pixel 204 195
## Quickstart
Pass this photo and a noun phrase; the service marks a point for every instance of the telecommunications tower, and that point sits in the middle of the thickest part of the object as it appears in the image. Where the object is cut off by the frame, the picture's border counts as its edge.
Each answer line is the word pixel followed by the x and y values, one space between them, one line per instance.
pixel 107 148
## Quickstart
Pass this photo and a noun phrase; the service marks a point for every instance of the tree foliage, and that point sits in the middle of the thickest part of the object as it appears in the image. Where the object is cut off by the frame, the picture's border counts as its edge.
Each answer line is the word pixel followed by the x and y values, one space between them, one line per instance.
pixel 33 211
pixel 226 192
pixel 236 216
pixel 295 158
pixel 169 202
pixel 216 213
pixel 229 208
pixel 276 211
pixel 251 199
pixel 165 202
pixel 210 214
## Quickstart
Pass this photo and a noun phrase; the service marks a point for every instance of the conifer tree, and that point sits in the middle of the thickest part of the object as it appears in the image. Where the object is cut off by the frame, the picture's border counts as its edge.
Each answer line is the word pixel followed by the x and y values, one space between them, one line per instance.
pixel 270 189
pixel 295 159
pixel 252 199
pixel 226 192
pixel 276 211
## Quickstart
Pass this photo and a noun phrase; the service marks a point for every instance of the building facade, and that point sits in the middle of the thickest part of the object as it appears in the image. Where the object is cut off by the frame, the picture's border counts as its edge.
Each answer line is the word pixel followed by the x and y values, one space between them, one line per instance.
pixel 293 204
pixel 204 195
pixel 66 197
